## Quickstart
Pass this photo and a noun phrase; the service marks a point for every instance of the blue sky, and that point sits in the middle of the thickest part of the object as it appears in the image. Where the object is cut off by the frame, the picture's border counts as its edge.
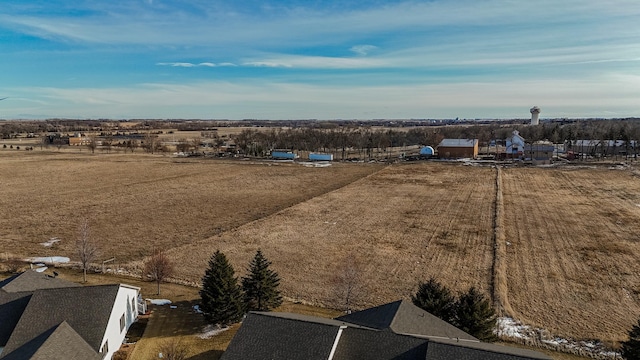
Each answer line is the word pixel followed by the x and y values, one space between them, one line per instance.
pixel 295 59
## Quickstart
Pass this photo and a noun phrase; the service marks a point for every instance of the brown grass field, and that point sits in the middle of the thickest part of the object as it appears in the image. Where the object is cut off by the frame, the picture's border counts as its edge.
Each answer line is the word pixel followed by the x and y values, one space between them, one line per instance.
pixel 571 264
pixel 137 202
pixel 574 258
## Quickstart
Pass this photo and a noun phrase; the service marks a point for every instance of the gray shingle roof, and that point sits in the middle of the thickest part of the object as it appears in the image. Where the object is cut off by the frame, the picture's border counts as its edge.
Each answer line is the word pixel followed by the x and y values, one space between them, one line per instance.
pixel 11 308
pixel 367 344
pixel 273 336
pixel 31 280
pixel 265 337
pixel 466 350
pixel 60 342
pixel 402 317
pixel 85 309
pixel 458 143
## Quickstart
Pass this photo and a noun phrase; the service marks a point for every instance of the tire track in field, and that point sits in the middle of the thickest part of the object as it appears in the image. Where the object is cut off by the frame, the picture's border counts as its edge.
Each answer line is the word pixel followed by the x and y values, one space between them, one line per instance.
pixel 499 285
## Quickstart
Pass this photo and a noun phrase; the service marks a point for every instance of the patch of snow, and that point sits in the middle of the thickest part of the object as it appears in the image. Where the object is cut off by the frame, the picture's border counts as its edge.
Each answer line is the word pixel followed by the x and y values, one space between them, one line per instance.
pixel 510 328
pixel 173 307
pixel 159 302
pixel 41 269
pixel 210 331
pixel 49 259
pixel 197 310
pixel 315 164
pixel 50 242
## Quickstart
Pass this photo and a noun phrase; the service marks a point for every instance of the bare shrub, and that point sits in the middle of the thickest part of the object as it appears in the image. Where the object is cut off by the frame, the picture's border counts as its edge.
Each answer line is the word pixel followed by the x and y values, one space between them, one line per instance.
pixel 173 349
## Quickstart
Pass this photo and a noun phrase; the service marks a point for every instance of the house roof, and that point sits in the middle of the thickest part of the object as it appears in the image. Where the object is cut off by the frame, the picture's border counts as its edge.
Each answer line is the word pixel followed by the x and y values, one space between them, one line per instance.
pixel 85 309
pixel 262 336
pixel 60 342
pixel 402 317
pixel 32 280
pixel 12 306
pixel 458 143
pixel 385 344
pixel 445 349
pixel 290 336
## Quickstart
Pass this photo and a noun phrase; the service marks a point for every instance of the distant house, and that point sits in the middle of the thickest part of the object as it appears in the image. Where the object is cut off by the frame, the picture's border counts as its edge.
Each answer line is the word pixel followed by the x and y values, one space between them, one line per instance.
pixel 43 317
pixel 79 140
pixel 458 148
pixel 514 145
pixel 398 331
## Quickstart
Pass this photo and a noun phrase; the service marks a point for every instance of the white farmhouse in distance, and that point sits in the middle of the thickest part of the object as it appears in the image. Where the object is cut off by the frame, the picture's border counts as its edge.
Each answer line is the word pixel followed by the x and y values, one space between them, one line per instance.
pixel 515 145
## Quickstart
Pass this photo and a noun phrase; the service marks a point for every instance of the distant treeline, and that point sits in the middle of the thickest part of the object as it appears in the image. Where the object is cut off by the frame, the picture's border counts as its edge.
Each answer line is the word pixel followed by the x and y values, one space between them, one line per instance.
pixel 336 136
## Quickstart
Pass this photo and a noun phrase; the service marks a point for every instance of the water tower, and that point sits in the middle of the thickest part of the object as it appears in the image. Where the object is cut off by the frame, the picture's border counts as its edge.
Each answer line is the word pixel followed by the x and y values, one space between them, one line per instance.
pixel 535 111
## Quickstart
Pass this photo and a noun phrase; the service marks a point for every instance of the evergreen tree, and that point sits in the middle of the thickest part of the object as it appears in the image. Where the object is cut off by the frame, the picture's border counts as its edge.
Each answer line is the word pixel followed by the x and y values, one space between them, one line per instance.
pixel 436 299
pixel 222 298
pixel 631 347
pixel 474 315
pixel 261 285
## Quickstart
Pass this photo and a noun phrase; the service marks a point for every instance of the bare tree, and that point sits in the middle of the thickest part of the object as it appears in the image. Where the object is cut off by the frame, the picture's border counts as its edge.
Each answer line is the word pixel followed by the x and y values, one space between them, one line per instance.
pixel 87 249
pixel 349 281
pixel 173 350
pixel 157 268
pixel 107 142
pixel 92 143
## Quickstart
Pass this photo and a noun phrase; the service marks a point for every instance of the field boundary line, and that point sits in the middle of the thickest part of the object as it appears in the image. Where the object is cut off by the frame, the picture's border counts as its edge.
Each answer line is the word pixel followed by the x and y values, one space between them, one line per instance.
pixel 499 285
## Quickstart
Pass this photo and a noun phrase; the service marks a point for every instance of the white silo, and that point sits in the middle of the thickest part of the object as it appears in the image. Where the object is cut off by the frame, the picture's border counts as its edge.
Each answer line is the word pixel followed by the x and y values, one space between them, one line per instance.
pixel 535 111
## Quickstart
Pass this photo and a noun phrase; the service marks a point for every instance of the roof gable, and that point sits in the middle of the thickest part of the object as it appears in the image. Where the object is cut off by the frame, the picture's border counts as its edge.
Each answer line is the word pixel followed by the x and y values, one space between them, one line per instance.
pixel 85 309
pixel 31 281
pixel 402 317
pixel 60 342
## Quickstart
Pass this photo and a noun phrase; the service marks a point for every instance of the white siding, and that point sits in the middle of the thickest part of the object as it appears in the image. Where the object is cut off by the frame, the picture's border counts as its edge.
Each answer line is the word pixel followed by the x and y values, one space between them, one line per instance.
pixel 121 307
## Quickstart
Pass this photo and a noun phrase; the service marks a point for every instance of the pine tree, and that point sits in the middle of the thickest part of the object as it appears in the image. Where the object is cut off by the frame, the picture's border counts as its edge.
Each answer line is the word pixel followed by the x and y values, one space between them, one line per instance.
pixel 474 315
pixel 261 285
pixel 631 347
pixel 436 299
pixel 222 298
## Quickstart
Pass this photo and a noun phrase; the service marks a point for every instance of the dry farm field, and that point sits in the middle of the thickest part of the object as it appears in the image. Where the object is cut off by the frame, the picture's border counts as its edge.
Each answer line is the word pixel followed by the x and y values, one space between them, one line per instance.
pixel 402 225
pixel 573 263
pixel 137 202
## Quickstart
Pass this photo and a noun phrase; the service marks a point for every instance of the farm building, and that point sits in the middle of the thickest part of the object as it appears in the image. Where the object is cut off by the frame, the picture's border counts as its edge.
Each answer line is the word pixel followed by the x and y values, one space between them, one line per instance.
pixel 43 317
pixel 602 147
pixel 320 157
pixel 458 148
pixel 515 145
pixel 539 153
pixel 398 330
pixel 427 152
pixel 79 140
pixel 283 155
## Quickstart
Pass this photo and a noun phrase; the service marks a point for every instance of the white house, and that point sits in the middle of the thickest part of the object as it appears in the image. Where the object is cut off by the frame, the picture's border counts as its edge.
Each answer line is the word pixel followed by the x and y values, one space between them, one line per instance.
pixel 515 145
pixel 43 317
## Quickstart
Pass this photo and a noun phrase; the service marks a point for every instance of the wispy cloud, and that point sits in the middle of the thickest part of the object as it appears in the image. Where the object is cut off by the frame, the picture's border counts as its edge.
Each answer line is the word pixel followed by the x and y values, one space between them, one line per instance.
pixel 259 99
pixel 190 65
pixel 363 49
